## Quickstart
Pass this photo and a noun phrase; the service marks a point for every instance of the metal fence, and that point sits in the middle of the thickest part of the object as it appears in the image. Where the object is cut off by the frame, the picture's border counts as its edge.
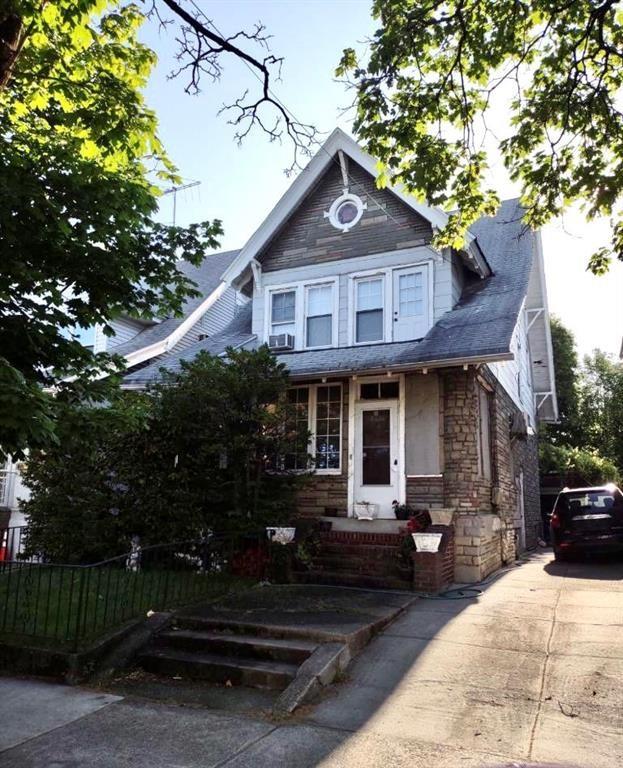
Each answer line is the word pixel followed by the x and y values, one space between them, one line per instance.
pixel 71 605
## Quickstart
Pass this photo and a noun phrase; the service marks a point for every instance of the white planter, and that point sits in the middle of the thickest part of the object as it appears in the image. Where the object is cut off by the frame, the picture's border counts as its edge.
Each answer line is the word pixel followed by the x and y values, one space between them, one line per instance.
pixel 441 516
pixel 280 535
pixel 366 511
pixel 427 542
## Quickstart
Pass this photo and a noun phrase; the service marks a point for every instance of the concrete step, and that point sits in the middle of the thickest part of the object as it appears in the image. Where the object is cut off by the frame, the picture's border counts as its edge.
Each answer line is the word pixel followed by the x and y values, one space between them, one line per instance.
pixel 241 628
pixel 346 579
pixel 293 651
pixel 212 667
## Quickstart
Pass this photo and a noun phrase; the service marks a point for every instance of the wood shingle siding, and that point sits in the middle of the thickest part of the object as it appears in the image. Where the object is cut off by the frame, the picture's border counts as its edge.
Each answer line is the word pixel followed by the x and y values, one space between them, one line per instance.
pixel 309 238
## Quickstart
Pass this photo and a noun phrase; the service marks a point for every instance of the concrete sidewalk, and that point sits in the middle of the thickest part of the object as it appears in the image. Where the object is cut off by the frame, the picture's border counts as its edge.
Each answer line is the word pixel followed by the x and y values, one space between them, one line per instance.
pixel 531 670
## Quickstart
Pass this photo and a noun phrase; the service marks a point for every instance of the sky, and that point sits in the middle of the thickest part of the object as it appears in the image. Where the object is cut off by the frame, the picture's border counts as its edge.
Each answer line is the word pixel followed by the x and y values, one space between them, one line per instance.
pixel 241 184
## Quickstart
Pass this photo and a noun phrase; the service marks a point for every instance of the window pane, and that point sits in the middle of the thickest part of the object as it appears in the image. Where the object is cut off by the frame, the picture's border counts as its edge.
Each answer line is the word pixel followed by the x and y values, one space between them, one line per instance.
pixel 410 294
pixel 370 325
pixel 370 294
pixel 319 331
pixel 376 447
pixel 390 389
pixel 369 392
pixel 328 431
pixel 283 328
pixel 319 299
pixel 283 307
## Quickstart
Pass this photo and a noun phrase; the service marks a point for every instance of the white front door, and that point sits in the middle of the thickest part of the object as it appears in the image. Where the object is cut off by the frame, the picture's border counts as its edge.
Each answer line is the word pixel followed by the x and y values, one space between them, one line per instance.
pixel 377 476
pixel 409 321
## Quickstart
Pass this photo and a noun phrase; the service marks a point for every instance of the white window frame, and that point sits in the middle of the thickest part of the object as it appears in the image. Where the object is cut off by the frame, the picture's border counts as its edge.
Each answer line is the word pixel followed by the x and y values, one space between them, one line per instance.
pixel 271 324
pixel 312 403
pixel 387 274
pixel 334 312
pixel 300 309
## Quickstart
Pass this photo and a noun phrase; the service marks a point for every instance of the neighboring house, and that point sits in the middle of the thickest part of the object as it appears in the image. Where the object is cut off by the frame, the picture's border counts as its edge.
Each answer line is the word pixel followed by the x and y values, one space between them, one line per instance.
pixel 422 374
pixel 142 343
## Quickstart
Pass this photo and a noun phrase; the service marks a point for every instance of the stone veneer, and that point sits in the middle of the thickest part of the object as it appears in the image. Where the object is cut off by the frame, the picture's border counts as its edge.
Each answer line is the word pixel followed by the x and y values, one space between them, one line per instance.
pixel 484 509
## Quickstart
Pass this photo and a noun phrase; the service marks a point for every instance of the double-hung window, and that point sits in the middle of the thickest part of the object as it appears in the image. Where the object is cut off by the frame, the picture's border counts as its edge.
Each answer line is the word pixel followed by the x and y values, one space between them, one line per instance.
pixel 369 310
pixel 319 315
pixel 282 312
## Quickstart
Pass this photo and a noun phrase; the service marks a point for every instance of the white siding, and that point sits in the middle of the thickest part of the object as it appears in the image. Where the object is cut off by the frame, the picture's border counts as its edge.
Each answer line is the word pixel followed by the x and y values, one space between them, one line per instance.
pixel 220 314
pixel 516 375
pixel 442 301
pixel 125 329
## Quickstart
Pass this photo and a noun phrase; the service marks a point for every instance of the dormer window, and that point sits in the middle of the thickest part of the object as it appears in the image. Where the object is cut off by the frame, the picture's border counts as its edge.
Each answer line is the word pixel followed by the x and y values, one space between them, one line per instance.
pixel 283 307
pixel 319 315
pixel 369 314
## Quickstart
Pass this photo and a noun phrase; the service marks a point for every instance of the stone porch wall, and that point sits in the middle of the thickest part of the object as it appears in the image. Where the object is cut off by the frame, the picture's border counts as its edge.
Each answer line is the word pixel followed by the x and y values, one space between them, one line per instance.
pixel 425 491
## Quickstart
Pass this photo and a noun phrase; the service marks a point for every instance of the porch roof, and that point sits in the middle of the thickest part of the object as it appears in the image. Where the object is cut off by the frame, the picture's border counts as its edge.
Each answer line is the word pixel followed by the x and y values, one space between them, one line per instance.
pixel 479 328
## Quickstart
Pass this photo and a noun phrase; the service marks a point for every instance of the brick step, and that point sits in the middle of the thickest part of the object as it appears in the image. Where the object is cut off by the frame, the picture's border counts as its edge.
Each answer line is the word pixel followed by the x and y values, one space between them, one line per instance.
pixel 346 579
pixel 363 538
pixel 293 651
pixel 340 549
pixel 211 667
pixel 363 565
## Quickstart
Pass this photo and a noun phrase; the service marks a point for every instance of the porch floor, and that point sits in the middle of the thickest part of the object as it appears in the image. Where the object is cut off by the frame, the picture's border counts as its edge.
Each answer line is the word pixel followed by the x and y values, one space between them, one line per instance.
pixel 351 524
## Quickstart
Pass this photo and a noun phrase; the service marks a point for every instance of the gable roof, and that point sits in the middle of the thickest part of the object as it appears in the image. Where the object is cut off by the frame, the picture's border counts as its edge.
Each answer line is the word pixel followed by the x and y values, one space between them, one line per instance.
pixel 480 327
pixel 236 334
pixel 159 338
pixel 337 142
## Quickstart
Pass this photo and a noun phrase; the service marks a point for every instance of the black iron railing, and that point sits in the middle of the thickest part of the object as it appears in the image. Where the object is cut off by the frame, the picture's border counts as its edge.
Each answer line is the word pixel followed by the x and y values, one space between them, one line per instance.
pixel 71 605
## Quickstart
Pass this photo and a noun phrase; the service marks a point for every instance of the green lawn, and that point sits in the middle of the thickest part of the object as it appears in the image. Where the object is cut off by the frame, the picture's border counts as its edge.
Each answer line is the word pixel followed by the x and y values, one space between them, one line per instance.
pixel 69 607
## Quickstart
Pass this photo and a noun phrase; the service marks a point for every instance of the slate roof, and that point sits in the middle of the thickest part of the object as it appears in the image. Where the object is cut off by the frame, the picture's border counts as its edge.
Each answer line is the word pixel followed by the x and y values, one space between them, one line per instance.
pixel 207 277
pixel 480 326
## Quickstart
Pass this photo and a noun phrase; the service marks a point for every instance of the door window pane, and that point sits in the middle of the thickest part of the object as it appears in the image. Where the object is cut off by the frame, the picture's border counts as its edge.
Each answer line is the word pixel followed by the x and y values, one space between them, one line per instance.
pixel 375 440
pixel 369 311
pixel 328 426
pixel 410 294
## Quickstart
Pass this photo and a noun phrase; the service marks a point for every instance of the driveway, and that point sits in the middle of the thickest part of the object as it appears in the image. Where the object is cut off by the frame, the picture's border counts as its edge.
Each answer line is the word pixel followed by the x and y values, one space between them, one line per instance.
pixel 529 671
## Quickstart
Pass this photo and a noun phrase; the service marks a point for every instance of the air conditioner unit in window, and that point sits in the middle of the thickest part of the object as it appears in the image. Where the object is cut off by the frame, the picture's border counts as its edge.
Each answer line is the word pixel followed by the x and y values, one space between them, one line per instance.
pixel 280 341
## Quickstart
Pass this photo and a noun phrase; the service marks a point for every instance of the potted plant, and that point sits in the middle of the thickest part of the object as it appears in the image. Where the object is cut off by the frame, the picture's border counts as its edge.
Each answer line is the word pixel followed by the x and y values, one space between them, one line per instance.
pixel 402 511
pixel 365 510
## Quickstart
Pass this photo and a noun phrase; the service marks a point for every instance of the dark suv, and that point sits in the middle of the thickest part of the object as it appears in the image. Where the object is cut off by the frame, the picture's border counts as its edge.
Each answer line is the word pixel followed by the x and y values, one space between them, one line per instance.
pixel 587 520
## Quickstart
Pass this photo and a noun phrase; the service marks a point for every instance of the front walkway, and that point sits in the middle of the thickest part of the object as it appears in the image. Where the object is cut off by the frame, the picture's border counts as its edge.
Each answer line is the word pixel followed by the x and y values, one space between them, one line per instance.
pixel 530 670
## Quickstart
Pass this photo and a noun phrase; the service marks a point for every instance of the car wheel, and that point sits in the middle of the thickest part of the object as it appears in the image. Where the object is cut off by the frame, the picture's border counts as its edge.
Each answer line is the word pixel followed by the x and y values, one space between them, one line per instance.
pixel 560 557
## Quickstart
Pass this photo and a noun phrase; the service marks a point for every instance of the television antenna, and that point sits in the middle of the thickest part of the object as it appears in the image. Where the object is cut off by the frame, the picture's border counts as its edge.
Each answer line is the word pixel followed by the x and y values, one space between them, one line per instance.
pixel 179 188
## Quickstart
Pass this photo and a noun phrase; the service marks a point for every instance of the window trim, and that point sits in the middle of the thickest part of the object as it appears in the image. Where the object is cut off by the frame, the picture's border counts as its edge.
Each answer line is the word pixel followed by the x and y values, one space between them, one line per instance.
pixel 334 313
pixel 271 323
pixel 387 274
pixel 300 308
pixel 311 427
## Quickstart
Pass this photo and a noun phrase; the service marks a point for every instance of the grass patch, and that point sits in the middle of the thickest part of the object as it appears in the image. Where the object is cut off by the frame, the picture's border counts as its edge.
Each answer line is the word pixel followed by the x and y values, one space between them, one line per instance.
pixel 69 607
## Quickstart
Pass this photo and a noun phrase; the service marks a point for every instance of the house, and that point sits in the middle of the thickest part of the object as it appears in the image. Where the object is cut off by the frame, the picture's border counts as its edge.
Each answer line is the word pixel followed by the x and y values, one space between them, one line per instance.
pixel 144 342
pixel 422 374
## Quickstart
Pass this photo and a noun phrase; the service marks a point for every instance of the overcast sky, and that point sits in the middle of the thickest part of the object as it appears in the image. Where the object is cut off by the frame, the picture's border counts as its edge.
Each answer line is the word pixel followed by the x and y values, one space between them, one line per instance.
pixel 240 185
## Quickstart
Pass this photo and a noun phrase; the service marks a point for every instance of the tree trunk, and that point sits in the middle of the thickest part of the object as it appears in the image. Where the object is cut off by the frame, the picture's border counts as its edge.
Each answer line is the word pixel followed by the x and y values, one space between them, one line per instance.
pixel 11 32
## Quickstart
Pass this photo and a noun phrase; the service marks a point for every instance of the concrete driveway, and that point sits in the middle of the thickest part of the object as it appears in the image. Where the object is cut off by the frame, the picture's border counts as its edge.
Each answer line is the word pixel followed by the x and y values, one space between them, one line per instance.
pixel 530 671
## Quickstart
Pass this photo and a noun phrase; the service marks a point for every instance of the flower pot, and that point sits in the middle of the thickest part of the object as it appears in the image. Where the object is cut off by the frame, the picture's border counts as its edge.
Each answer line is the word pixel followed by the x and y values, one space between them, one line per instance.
pixel 280 535
pixel 366 511
pixel 427 542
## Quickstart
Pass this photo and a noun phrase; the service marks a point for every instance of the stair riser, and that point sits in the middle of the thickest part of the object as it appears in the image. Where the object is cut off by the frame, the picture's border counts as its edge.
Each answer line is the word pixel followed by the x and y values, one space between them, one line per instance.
pixel 231 649
pixel 217 625
pixel 350 565
pixel 216 673
pixel 353 580
pixel 358 550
